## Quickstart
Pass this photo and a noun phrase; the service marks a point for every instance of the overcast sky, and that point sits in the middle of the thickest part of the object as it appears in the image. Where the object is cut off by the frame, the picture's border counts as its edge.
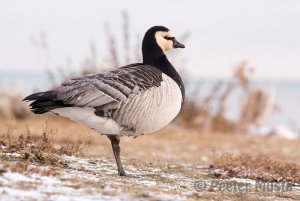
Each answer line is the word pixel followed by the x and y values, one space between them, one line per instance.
pixel 264 32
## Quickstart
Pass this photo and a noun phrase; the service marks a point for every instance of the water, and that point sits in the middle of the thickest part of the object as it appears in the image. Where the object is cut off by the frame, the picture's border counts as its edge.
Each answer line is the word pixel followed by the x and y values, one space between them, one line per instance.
pixel 23 82
pixel 287 95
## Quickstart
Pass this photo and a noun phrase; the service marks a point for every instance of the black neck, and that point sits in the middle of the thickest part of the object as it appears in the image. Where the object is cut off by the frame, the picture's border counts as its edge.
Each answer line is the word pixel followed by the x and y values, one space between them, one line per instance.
pixel 154 56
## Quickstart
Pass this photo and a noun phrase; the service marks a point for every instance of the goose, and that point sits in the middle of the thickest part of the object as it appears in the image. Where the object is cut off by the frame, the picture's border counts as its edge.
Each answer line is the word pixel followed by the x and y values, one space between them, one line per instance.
pixel 132 100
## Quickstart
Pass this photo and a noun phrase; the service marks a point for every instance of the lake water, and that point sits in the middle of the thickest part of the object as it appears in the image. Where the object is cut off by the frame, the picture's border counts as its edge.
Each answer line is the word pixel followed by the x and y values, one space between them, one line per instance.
pixel 287 95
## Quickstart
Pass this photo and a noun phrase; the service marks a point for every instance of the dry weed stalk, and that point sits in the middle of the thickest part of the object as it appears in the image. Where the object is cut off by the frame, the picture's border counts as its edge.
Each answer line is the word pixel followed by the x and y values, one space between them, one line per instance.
pixel 126 36
pixel 208 113
pixel 113 50
pixel 258 103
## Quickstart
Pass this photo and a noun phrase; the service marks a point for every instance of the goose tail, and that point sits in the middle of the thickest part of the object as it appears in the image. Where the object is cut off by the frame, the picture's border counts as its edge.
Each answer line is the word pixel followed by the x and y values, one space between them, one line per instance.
pixel 44 102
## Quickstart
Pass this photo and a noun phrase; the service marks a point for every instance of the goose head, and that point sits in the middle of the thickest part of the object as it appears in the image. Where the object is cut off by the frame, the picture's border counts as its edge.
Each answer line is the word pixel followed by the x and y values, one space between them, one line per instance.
pixel 157 41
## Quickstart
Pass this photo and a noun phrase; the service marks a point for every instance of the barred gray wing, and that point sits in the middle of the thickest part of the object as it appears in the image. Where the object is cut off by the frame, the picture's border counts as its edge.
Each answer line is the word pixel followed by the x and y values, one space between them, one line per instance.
pixel 109 88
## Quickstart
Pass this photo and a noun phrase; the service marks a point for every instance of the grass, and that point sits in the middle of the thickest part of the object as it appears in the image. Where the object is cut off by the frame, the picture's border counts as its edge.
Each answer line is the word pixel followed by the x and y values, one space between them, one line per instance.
pixel 34 151
pixel 41 149
pixel 257 167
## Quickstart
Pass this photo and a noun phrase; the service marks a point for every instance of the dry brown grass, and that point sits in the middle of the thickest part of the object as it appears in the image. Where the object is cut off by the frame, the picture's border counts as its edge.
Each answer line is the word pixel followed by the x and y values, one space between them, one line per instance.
pixel 41 149
pixel 35 151
pixel 257 167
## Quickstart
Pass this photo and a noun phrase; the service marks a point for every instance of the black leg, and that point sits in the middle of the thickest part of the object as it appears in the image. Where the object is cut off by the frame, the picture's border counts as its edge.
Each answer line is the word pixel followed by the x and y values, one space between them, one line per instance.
pixel 115 141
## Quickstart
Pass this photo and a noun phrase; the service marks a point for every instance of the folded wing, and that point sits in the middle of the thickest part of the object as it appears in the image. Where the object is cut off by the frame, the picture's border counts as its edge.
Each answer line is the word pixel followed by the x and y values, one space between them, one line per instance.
pixel 98 90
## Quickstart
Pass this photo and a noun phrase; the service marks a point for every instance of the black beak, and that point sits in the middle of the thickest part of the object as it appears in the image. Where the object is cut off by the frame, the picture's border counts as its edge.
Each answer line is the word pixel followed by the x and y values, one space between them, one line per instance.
pixel 177 44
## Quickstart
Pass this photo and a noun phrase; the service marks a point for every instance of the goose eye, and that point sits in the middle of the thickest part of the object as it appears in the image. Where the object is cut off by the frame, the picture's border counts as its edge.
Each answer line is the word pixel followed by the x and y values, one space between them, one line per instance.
pixel 168 38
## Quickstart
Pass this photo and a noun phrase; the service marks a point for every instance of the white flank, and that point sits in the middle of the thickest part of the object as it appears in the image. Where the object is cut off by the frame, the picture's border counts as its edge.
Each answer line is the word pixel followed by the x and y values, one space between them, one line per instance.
pixel 86 116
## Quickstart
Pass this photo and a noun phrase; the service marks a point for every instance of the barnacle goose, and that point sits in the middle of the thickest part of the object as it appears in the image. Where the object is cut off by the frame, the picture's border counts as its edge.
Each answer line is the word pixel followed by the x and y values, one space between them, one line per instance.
pixel 132 100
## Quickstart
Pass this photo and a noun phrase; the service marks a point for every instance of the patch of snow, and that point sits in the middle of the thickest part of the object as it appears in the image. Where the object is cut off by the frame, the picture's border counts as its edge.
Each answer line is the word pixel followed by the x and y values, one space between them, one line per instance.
pixel 9 193
pixel 16 186
pixel 242 180
pixel 278 131
pixel 148 183
pixel 15 177
pixel 11 154
pixel 3 147
pixel 284 132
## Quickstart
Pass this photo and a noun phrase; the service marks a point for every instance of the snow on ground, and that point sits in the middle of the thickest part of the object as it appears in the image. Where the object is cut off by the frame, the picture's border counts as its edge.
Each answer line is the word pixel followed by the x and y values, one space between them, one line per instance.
pixel 96 179
pixel 17 186
pixel 84 179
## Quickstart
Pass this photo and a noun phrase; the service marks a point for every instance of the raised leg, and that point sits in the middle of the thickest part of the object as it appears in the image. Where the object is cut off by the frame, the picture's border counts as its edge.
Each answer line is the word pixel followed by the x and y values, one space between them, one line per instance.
pixel 115 141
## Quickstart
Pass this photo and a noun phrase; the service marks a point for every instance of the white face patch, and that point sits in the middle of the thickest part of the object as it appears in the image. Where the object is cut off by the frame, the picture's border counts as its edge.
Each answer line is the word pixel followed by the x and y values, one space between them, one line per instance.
pixel 163 43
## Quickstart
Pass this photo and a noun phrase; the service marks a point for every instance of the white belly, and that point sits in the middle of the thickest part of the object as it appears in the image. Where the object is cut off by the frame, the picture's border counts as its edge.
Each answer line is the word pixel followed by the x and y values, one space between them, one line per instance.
pixel 145 113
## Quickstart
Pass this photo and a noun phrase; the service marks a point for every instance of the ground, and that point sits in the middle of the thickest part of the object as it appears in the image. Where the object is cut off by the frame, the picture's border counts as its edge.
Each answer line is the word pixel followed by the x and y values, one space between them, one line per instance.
pixel 172 164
